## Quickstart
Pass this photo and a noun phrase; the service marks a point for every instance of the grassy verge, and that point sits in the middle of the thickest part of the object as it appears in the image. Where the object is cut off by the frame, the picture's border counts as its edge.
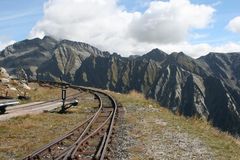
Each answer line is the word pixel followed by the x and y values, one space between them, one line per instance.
pixel 222 145
pixel 38 93
pixel 22 135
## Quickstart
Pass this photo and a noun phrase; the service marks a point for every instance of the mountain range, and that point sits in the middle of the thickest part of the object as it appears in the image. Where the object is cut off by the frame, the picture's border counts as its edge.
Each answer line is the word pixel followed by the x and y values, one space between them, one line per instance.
pixel 207 87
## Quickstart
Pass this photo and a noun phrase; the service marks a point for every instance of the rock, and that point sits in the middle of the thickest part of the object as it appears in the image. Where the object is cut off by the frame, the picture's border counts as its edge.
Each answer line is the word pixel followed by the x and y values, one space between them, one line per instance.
pixel 25 86
pixel 12 88
pixel 66 60
pixel 207 87
pixel 4 80
pixel 47 58
pixel 161 122
pixel 3 73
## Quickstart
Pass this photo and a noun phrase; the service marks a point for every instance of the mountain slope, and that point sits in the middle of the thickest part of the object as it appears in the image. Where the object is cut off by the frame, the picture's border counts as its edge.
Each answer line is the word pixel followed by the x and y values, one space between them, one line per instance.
pixel 185 85
pixel 67 58
pixel 207 87
pixel 47 57
pixel 28 54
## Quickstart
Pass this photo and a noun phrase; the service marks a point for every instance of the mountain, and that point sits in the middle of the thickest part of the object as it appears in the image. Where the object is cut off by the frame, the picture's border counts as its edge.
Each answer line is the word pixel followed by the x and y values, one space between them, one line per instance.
pixel 28 54
pixel 47 58
pixel 66 59
pixel 207 87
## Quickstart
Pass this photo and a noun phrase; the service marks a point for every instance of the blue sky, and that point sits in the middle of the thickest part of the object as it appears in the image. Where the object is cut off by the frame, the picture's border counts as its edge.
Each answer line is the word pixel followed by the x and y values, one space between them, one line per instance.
pixel 225 11
pixel 18 17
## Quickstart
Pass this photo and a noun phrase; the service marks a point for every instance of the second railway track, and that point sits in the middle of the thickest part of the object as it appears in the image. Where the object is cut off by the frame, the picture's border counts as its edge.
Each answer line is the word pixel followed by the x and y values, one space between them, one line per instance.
pixel 40 104
pixel 90 139
pixel 39 107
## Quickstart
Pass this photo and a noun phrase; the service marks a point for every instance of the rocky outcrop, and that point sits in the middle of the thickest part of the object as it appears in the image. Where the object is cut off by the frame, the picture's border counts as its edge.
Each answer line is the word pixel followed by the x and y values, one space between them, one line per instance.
pixel 207 87
pixel 204 87
pixel 47 58
pixel 3 73
pixel 66 60
pixel 11 87
pixel 27 54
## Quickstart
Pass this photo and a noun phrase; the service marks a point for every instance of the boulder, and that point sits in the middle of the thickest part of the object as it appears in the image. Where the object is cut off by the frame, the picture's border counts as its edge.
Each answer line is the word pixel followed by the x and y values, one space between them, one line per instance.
pixel 3 73
pixel 4 80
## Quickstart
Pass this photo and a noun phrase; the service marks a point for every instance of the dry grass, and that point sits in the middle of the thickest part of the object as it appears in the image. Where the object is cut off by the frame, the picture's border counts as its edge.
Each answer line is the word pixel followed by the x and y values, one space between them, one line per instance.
pixel 132 97
pixel 222 145
pixel 136 95
pixel 39 93
pixel 22 135
pixel 5 89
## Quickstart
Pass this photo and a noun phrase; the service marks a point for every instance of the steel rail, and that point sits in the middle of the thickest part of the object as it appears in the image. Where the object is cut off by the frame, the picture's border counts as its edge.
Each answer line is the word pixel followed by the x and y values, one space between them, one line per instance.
pixel 85 135
pixel 77 145
pixel 71 152
pixel 56 141
pixel 102 149
pixel 96 131
pixel 110 129
pixel 73 96
pixel 69 149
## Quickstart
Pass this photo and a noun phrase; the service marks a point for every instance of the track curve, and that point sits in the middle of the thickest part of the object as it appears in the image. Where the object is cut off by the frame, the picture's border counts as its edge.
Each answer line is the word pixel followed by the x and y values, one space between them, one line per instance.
pixel 90 139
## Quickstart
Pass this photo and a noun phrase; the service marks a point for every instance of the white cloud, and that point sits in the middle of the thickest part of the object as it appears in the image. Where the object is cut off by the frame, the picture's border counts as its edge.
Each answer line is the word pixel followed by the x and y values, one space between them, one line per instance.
pixel 170 22
pixel 102 23
pixel 4 44
pixel 234 25
pixel 217 3
pixel 193 50
pixel 227 47
pixel 197 50
pixel 197 36
pixel 98 22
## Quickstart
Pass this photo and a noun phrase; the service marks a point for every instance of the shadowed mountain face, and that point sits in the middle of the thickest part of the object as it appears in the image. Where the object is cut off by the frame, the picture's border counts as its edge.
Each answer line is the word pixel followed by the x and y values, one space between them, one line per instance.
pixel 207 87
pixel 28 54
pixel 47 58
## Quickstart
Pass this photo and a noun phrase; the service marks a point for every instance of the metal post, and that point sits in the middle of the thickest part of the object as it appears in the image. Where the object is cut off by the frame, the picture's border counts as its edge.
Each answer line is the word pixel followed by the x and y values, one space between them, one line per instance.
pixel 64 94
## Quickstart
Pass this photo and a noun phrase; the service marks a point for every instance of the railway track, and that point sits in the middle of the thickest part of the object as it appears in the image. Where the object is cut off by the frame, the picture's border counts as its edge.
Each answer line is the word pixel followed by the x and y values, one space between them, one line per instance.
pixel 41 104
pixel 90 139
pixel 38 107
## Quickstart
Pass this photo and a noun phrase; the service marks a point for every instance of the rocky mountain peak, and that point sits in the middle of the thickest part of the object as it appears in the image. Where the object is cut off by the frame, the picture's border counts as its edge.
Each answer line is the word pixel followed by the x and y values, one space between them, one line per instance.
pixel 49 39
pixel 156 55
pixel 182 60
pixel 82 47
pixel 207 87
pixel 179 55
pixel 115 55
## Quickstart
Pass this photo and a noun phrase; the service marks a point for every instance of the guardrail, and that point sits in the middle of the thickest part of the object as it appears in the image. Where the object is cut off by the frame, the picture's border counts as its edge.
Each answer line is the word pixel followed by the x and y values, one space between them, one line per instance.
pixel 6 103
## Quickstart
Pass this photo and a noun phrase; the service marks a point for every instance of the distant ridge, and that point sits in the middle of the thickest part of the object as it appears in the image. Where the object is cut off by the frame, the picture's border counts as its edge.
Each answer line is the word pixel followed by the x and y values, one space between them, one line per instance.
pixel 207 87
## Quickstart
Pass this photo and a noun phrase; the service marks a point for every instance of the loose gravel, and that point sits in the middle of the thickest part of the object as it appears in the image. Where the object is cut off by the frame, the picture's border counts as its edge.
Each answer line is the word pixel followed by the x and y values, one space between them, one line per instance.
pixel 142 136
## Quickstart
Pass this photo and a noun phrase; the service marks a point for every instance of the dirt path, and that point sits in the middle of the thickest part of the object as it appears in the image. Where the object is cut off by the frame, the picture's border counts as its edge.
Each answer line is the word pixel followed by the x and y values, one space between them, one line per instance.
pixel 143 134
